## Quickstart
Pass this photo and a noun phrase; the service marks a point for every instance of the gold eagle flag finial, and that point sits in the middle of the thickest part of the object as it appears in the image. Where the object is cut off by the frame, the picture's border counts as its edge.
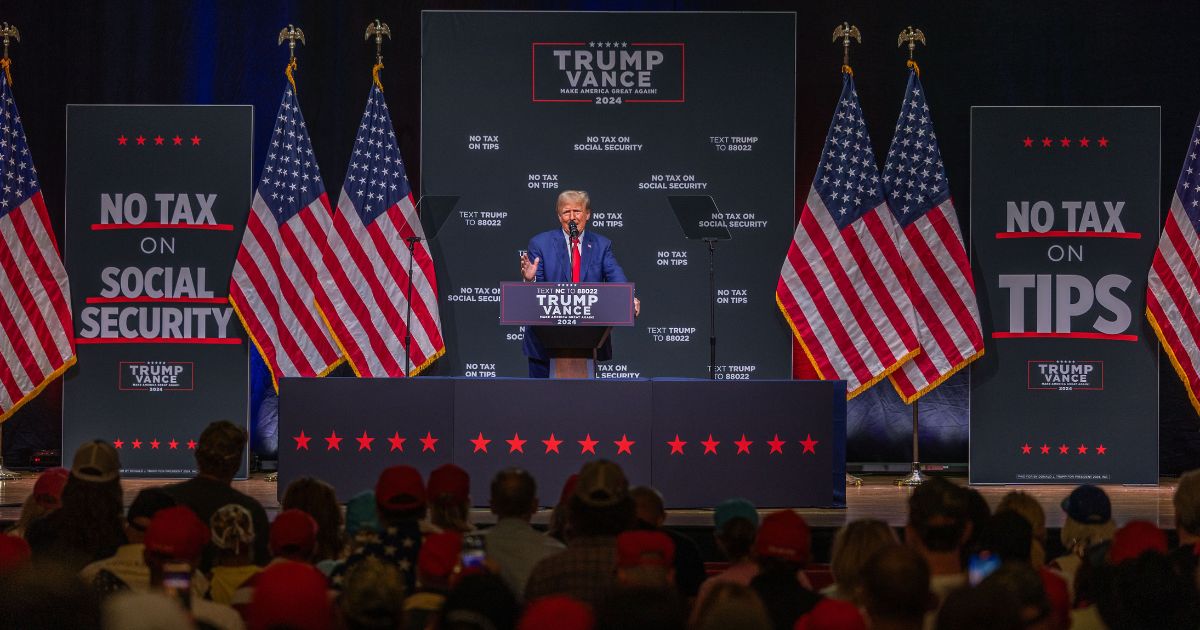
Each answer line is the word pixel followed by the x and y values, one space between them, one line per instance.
pixel 8 33
pixel 845 32
pixel 292 35
pixel 911 36
pixel 378 30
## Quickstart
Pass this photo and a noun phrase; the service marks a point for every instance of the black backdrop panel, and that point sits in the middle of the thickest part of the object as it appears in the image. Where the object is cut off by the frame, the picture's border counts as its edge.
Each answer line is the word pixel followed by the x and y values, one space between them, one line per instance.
pixel 157 199
pixel 1064 204
pixel 710 109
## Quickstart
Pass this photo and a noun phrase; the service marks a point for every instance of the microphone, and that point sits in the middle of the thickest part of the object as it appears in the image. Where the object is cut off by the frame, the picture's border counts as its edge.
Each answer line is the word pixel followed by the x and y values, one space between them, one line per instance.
pixel 573 229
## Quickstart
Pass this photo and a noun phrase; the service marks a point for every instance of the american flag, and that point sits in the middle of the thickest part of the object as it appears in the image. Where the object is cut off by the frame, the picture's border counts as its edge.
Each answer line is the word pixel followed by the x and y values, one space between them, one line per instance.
pixel 276 273
pixel 364 300
pixel 1172 296
pixel 842 287
pixel 930 241
pixel 36 330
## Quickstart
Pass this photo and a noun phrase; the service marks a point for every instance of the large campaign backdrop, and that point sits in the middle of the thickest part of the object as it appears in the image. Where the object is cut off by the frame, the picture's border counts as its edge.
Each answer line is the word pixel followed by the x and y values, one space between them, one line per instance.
pixel 631 107
pixel 1065 207
pixel 157 198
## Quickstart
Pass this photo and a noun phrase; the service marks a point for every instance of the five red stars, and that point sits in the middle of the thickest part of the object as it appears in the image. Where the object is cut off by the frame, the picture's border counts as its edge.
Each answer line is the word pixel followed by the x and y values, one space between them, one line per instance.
pixel 159 140
pixel 588 445
pixel 810 445
pixel 624 444
pixel 364 442
pixel 676 445
pixel 480 443
pixel 1065 142
pixel 397 442
pixel 516 444
pixel 333 442
pixel 743 445
pixel 428 443
pixel 552 444
pixel 710 445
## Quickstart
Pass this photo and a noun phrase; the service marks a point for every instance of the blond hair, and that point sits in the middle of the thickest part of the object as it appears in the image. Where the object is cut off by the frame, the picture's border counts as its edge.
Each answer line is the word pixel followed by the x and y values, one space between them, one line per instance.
pixel 1029 509
pixel 852 546
pixel 574 195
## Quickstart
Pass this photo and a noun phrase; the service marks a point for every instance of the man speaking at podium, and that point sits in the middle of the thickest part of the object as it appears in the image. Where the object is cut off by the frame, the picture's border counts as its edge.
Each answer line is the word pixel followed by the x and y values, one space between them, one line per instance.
pixel 569 254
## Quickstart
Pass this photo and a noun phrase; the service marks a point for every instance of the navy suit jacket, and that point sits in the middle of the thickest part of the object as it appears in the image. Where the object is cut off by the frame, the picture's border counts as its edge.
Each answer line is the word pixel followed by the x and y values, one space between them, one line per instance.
pixel 596 264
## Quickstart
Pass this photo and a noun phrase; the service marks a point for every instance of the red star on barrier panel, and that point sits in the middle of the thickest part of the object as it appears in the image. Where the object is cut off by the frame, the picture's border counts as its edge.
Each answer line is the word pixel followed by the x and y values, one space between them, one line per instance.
pixel 710 446
pixel 776 445
pixel 1082 449
pixel 195 141
pixel 1083 142
pixel 1028 141
pixel 743 445
pixel 809 444
pixel 333 442
pixel 178 141
pixel 552 444
pixel 1045 449
pixel 364 442
pixel 1062 450
pixel 158 140
pixel 191 445
pixel 1065 142
pixel 136 443
pixel 1025 449
pixel 118 443
pixel 154 444
pixel 676 445
pixel 429 443
pixel 480 443
pixel 1100 450
pixel 141 140
pixel 1047 142
pixel 624 444
pixel 516 444
pixel 588 445
pixel 397 442
pixel 122 140
pixel 1103 142
pixel 174 444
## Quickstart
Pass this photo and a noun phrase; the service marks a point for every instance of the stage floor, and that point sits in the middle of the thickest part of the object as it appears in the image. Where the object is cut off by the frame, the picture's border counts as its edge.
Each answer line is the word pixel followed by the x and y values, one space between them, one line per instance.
pixel 876 498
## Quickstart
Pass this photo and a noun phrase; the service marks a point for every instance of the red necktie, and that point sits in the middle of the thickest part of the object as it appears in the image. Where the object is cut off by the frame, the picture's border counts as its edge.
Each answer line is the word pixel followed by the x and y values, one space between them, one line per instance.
pixel 574 260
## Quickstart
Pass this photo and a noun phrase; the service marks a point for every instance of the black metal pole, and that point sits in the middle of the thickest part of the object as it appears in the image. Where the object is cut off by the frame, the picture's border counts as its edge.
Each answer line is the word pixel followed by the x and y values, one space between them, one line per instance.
pixel 712 308
pixel 412 244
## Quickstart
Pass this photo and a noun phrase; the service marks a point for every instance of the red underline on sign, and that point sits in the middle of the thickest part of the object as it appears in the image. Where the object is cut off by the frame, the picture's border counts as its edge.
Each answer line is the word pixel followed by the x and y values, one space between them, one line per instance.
pixel 191 340
pixel 1074 335
pixel 1066 234
pixel 187 300
pixel 219 227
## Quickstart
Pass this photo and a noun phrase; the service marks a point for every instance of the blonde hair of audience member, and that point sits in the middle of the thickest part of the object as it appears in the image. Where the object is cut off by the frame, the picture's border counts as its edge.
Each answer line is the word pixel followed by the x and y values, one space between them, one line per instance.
pixel 731 605
pixel 1028 507
pixel 31 511
pixel 450 516
pixel 646 576
pixel 1076 537
pixel 853 545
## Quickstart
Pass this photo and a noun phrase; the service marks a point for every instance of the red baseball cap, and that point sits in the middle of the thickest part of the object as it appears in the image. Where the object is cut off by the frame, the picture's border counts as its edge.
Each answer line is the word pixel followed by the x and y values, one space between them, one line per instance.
pixel 293 533
pixel 14 552
pixel 641 547
pixel 557 612
pixel 449 484
pixel 1134 539
pixel 47 490
pixel 176 532
pixel 832 614
pixel 290 595
pixel 439 554
pixel 784 535
pixel 399 488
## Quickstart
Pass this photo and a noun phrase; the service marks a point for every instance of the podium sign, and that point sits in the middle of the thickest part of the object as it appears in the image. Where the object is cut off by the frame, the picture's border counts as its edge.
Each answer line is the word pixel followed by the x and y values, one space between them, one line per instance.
pixel 1064 222
pixel 566 304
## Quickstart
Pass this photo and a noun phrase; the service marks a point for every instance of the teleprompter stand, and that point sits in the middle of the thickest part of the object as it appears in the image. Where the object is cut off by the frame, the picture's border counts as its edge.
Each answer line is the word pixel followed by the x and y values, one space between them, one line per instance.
pixel 701 221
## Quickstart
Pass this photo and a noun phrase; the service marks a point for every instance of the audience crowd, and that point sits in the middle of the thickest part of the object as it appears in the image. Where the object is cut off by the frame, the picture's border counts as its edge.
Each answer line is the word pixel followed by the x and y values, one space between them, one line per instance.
pixel 405 555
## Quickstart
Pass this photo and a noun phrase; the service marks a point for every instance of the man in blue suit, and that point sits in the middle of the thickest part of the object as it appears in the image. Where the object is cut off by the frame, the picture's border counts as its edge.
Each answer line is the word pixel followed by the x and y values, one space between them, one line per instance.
pixel 558 257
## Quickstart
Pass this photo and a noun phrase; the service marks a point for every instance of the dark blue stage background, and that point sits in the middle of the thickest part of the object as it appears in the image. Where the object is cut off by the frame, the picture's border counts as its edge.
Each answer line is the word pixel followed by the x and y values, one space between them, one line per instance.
pixel 1009 52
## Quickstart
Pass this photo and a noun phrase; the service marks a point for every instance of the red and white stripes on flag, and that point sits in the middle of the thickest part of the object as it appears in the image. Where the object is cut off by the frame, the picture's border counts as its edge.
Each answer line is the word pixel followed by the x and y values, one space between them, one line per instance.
pixel 277 273
pixel 36 329
pixel 930 241
pixel 364 301
pixel 842 287
pixel 1173 291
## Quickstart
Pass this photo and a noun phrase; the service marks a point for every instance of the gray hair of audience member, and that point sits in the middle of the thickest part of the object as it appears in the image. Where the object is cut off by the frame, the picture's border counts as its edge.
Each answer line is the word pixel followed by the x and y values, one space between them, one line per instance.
pixel 1187 502
pixel 514 494
pixel 731 605
pixel 853 545
pixel 895 585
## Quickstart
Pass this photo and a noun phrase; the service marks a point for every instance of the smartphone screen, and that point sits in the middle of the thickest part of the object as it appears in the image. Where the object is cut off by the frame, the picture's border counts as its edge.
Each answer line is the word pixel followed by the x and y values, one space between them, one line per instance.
pixel 473 555
pixel 981 565
pixel 177 582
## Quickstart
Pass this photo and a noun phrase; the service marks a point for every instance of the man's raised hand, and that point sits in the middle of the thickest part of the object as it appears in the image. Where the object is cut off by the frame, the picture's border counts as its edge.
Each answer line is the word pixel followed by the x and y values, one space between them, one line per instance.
pixel 529 269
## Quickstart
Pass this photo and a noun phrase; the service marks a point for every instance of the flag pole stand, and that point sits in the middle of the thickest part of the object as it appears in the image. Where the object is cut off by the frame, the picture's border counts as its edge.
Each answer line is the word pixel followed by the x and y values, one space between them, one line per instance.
pixel 914 478
pixel 412 245
pixel 5 474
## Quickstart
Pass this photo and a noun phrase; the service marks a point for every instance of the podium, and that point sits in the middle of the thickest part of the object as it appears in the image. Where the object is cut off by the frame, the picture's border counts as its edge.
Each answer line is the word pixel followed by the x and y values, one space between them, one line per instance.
pixel 571 320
